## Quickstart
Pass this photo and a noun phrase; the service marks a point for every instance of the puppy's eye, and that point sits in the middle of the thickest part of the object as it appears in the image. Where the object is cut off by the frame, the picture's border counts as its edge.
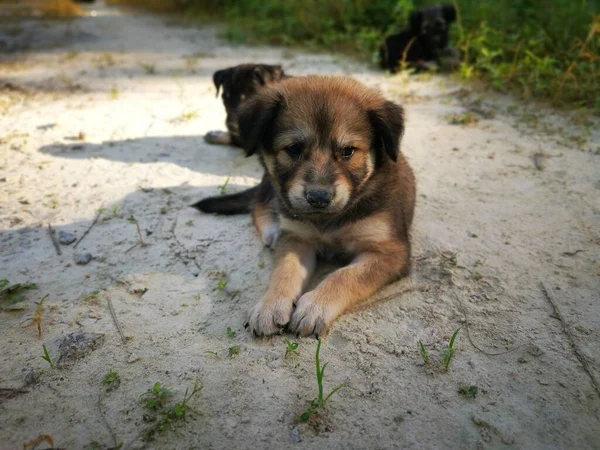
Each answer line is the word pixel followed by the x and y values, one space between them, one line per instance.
pixel 294 150
pixel 347 152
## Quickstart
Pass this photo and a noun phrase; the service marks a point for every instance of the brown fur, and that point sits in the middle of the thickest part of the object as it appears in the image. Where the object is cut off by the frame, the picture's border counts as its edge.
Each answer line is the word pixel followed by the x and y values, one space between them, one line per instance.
pixel 335 184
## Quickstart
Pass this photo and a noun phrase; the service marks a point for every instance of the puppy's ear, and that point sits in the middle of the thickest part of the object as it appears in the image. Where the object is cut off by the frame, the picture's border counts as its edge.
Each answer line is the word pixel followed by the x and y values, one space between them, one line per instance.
pixel 257 117
pixel 415 20
pixel 387 123
pixel 219 78
pixel 449 13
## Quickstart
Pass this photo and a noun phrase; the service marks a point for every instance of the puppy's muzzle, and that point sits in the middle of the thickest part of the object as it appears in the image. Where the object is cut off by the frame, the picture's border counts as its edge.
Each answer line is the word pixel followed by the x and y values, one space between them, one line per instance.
pixel 319 198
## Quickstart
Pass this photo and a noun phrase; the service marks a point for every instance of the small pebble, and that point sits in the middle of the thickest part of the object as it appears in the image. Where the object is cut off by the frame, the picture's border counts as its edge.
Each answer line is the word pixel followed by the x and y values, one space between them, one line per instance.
pixel 82 258
pixel 66 238
pixel 295 436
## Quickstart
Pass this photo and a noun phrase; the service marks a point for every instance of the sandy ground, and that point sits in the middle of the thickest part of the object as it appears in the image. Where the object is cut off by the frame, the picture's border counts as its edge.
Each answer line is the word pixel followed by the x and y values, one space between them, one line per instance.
pixel 109 112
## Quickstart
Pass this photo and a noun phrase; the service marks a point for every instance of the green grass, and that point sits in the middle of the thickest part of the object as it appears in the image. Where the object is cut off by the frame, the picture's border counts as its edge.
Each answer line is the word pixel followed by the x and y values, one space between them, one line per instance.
pixel 111 378
pixel 546 49
pixel 46 356
pixel 320 401
pixel 424 353
pixel 449 351
pixel 156 397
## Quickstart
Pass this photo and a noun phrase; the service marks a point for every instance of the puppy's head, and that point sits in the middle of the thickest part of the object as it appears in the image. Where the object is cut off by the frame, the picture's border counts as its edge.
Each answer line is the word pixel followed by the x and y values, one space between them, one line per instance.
pixel 321 140
pixel 241 82
pixel 432 24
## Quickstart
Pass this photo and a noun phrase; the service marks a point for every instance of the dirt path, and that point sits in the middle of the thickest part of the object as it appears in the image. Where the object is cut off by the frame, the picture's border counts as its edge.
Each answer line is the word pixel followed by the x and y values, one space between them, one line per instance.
pixel 108 112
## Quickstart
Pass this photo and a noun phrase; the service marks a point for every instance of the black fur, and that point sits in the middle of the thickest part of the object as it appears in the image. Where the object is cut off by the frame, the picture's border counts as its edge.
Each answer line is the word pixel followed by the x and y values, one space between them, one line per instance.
pixel 425 40
pixel 239 203
pixel 239 84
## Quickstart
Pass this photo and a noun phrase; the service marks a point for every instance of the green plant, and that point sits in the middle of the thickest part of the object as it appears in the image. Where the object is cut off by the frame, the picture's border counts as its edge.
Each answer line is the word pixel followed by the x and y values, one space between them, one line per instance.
pixel 223 188
pixel 156 397
pixel 166 416
pixel 46 356
pixel 291 347
pixel 235 350
pixel 424 353
pixel 92 295
pixel 221 284
pixel 189 223
pixel 111 378
pixel 230 332
pixel 14 293
pixel 449 351
pixel 114 93
pixel 178 410
pixel 215 354
pixel 320 401
pixel 149 69
pixel 469 392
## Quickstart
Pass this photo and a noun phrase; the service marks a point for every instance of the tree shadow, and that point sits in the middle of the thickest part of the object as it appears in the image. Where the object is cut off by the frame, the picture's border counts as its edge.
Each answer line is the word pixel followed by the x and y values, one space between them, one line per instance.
pixel 185 151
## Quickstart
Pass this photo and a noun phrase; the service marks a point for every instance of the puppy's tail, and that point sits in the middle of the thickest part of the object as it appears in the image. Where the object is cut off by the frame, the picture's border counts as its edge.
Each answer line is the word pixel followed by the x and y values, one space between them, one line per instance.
pixel 239 203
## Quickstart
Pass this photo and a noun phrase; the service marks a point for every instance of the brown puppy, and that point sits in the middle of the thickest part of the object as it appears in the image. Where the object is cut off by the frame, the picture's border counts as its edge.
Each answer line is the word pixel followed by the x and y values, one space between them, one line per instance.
pixel 239 83
pixel 335 184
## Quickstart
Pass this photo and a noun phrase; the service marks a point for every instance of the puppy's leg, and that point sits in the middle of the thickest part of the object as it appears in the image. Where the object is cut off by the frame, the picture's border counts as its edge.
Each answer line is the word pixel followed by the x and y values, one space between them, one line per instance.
pixel 294 264
pixel 218 138
pixel 348 286
pixel 266 223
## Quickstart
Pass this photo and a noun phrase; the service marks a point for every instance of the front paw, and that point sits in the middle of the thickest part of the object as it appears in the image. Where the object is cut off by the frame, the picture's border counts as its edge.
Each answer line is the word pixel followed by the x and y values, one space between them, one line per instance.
pixel 217 138
pixel 270 317
pixel 312 315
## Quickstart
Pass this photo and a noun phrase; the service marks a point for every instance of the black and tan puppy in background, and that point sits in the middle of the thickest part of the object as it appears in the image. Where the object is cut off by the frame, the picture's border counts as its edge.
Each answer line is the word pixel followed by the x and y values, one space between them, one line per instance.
pixel 424 43
pixel 239 83
pixel 335 185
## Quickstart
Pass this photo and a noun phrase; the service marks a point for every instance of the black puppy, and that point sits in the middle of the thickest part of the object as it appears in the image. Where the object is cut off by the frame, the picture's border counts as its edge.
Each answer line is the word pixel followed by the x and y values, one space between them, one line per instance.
pixel 240 83
pixel 425 41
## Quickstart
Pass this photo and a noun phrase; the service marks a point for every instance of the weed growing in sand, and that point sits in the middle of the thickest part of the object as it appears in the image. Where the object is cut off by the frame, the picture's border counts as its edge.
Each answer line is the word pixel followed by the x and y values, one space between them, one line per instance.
pixel 197 296
pixel 10 295
pixel 320 401
pixel 235 350
pixel 111 378
pixel 157 397
pixel 424 353
pixel 186 116
pixel 149 69
pixel 450 350
pixel 133 220
pixel 114 93
pixel 291 347
pixel 37 315
pixel 464 119
pixel 168 415
pixel 215 354
pixel 230 332
pixel 190 223
pixel 92 295
pixel 469 392
pixel 46 356
pixel 221 285
pixel 223 188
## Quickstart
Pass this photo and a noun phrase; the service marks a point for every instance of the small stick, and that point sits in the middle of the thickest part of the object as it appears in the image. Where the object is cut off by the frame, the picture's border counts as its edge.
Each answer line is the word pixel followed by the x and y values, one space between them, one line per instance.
pixel 89 228
pixel 51 231
pixel 570 338
pixel 132 247
pixel 114 316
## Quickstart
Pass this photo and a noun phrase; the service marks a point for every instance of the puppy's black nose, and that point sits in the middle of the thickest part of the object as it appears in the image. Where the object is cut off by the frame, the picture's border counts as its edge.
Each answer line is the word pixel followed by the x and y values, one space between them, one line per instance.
pixel 319 198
